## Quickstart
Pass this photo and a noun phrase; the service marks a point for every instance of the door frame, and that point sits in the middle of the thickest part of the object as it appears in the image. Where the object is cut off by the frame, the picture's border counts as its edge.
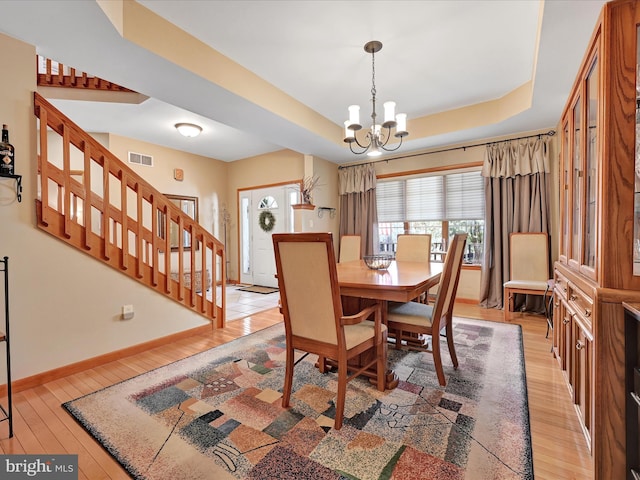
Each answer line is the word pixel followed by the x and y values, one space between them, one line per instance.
pixel 246 225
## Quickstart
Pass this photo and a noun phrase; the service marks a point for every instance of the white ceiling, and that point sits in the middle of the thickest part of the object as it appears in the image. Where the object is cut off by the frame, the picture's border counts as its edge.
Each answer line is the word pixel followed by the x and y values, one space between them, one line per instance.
pixel 437 56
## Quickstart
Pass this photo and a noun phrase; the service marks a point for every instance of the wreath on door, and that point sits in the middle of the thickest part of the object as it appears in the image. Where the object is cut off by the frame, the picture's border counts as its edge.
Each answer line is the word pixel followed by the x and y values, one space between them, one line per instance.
pixel 267 221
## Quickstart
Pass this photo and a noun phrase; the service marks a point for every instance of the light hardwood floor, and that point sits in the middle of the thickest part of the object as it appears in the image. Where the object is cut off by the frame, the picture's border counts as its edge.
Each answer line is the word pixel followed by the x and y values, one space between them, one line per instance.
pixel 41 425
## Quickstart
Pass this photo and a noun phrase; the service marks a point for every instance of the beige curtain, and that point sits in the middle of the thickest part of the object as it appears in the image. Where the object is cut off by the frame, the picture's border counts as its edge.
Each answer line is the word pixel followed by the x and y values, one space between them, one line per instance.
pixel 517 194
pixel 358 211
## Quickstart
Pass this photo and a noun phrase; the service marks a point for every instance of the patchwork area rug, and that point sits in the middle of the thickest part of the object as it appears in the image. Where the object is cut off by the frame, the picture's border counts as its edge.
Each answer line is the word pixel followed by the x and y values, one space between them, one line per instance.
pixel 218 415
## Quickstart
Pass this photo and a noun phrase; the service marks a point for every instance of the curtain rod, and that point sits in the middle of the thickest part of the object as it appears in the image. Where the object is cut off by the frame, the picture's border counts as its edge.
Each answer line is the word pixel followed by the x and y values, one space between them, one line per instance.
pixel 550 133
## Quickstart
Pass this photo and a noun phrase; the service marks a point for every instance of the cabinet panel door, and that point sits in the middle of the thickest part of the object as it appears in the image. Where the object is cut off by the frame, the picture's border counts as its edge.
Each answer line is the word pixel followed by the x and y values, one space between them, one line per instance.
pixel 582 387
pixel 566 347
pixel 558 316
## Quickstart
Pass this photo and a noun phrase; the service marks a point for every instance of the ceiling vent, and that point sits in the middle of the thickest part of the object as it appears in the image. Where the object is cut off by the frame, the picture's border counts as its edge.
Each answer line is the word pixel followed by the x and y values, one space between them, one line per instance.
pixel 141 159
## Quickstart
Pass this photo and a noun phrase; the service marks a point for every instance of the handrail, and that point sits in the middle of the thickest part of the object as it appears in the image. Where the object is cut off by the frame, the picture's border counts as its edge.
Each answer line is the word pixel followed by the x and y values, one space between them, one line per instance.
pixel 92 200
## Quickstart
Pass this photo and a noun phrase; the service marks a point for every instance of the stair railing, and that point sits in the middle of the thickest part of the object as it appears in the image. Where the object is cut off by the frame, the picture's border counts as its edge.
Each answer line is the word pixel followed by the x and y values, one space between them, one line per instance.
pixel 55 74
pixel 92 200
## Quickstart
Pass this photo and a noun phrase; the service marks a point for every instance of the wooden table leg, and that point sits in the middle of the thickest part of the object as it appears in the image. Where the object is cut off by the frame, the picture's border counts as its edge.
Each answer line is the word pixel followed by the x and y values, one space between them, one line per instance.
pixel 391 380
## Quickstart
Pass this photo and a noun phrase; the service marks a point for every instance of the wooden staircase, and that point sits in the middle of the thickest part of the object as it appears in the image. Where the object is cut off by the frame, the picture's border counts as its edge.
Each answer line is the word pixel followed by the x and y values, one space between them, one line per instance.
pixel 96 203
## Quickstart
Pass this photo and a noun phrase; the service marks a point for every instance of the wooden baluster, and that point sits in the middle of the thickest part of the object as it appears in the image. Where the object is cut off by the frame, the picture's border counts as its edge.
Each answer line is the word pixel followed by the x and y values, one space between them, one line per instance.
pixel 124 232
pixel 167 248
pixel 88 195
pixel 60 76
pixel 66 179
pixel 59 202
pixel 155 270
pixel 106 224
pixel 181 258
pixel 44 165
pixel 203 269
pixel 74 207
pixel 48 72
pixel 193 266
pixel 140 234
pixel 220 322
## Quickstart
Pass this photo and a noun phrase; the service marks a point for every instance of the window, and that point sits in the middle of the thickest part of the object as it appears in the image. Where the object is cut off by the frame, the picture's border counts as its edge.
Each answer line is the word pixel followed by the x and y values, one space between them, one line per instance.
pixel 267 203
pixel 441 205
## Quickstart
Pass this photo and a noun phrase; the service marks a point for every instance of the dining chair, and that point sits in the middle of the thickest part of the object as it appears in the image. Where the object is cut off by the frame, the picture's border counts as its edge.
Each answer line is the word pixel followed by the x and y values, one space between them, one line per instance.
pixel 407 322
pixel 349 248
pixel 313 316
pixel 413 247
pixel 528 267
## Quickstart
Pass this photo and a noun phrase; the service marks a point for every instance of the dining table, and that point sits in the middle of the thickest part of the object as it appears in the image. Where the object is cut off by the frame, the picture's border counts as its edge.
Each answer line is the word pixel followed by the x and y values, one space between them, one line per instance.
pixel 361 286
pixel 400 282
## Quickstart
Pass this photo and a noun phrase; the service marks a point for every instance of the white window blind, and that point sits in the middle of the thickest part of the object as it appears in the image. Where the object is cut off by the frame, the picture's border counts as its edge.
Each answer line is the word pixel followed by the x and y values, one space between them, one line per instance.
pixel 390 201
pixel 425 199
pixel 465 196
pixel 456 196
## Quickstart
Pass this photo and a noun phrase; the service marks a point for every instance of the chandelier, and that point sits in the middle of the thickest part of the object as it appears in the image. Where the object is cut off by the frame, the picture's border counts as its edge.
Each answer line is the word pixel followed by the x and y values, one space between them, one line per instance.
pixel 376 139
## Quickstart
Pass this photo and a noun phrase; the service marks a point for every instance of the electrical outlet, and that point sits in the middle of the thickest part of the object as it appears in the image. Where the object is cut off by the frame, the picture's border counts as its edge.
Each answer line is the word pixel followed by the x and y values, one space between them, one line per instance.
pixel 127 312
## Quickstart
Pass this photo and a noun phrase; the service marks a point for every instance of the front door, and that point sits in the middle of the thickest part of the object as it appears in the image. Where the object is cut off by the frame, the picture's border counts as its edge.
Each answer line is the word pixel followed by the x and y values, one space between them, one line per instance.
pixel 264 212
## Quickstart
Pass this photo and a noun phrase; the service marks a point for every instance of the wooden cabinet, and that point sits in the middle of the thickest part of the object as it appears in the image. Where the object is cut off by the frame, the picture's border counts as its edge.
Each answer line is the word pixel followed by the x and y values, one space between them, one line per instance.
pixel 599 233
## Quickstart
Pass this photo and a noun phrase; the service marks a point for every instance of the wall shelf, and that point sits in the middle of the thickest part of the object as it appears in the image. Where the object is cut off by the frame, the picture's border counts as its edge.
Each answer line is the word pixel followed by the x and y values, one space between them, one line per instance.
pixel 331 210
pixel 18 179
pixel 303 206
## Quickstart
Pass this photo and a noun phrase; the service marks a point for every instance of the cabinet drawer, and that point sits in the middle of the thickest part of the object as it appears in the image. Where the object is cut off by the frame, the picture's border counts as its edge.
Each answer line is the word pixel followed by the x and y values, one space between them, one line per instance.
pixel 581 303
pixel 561 285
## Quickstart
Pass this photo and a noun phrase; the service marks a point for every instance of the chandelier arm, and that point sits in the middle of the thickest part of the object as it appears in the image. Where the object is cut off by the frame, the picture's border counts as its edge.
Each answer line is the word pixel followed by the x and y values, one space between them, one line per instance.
pixel 386 137
pixel 391 149
pixel 357 153
pixel 355 138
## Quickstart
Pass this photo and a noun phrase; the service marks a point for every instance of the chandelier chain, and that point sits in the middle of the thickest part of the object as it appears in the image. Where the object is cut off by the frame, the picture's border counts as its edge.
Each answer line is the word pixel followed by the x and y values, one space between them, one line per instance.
pixel 373 86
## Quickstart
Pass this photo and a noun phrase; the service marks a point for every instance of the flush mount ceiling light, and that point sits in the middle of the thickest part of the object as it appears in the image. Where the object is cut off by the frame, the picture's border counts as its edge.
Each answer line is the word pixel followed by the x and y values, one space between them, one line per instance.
pixel 188 129
pixel 376 139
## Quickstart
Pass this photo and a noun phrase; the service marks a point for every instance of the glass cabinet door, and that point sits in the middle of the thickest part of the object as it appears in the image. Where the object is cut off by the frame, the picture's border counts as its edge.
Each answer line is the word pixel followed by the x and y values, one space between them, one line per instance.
pixel 577 183
pixel 564 186
pixel 591 166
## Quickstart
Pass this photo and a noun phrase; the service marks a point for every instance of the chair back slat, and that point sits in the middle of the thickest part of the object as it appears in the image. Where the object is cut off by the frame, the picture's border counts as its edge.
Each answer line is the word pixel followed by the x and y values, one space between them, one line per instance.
pixel 350 248
pixel 308 285
pixel 529 256
pixel 414 248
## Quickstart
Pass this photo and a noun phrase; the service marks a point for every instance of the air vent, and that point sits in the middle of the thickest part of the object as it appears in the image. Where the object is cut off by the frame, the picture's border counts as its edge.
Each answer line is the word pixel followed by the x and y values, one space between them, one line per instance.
pixel 141 159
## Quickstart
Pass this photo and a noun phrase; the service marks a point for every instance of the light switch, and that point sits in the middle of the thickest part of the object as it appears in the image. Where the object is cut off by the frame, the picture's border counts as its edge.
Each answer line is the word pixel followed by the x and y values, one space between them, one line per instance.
pixel 127 312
